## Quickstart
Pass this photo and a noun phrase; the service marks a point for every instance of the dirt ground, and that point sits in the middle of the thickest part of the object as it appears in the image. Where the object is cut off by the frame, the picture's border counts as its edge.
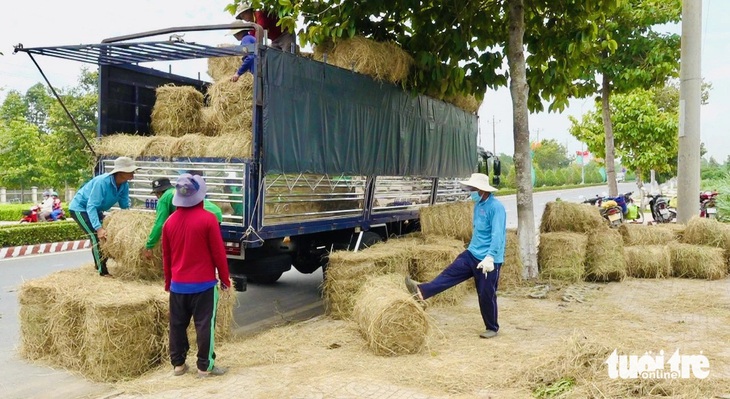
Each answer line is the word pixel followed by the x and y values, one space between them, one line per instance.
pixel 551 347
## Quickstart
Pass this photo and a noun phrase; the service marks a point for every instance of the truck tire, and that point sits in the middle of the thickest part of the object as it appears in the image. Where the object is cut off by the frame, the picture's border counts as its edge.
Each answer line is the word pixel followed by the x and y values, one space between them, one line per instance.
pixel 264 270
pixel 369 238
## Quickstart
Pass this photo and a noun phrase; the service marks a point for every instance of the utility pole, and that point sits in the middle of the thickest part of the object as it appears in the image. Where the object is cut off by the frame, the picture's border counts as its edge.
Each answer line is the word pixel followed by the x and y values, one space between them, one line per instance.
pixel 690 75
pixel 494 136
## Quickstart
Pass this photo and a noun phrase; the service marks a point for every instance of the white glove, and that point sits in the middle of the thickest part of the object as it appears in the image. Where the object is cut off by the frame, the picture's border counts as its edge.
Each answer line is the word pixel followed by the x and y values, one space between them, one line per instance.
pixel 487 265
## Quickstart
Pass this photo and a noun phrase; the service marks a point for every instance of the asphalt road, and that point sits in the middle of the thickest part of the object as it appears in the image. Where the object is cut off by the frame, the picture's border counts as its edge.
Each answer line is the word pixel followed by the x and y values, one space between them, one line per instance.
pixel 294 297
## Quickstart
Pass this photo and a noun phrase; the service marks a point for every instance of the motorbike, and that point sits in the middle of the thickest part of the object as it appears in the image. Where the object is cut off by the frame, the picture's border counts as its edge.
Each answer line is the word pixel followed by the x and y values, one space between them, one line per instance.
pixel 707 204
pixel 32 215
pixel 660 210
pixel 617 209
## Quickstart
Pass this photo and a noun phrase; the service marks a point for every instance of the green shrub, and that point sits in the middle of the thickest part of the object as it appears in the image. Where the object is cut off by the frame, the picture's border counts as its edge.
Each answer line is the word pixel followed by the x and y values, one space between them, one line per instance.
pixel 13 212
pixel 39 233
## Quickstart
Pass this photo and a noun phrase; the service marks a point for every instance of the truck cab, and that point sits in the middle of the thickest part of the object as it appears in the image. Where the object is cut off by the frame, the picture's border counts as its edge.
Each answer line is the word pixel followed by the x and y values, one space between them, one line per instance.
pixel 336 160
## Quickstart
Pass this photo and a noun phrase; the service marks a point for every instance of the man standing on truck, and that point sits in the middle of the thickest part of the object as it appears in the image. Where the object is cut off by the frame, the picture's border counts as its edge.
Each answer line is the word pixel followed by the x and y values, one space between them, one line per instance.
pixel 97 196
pixel 248 64
pixel 483 258
pixel 192 253
pixel 164 191
pixel 279 39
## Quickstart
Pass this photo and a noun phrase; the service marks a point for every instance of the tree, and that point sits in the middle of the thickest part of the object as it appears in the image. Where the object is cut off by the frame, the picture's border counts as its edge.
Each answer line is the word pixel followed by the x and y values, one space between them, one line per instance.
pixel 21 155
pixel 550 155
pixel 13 107
pixel 645 135
pixel 37 103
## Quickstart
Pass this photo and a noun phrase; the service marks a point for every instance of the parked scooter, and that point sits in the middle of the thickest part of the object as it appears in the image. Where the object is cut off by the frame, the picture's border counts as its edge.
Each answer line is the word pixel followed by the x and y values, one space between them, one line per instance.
pixel 707 204
pixel 617 209
pixel 660 210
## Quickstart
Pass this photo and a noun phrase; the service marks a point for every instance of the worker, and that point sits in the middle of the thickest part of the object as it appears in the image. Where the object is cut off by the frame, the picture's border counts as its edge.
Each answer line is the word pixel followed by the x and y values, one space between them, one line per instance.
pixel 482 260
pixel 279 39
pixel 247 64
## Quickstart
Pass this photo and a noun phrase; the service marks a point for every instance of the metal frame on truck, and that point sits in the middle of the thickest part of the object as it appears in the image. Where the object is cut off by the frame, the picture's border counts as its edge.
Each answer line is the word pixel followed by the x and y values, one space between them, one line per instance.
pixel 338 160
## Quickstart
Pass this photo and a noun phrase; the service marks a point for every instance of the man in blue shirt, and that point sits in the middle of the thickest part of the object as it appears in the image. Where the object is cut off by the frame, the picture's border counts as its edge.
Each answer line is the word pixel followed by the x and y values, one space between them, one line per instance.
pixel 97 196
pixel 248 64
pixel 483 258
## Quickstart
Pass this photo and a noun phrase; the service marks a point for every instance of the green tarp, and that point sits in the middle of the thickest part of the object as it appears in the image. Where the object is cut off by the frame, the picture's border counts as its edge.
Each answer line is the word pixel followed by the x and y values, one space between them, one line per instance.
pixel 321 119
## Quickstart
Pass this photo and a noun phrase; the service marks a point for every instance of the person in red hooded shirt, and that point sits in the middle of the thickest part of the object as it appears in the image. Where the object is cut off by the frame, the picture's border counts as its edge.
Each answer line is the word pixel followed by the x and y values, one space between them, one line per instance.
pixel 279 39
pixel 192 252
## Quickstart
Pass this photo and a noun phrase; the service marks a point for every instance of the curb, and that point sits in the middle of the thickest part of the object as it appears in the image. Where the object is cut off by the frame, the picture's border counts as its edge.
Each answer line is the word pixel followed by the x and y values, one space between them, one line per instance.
pixel 37 249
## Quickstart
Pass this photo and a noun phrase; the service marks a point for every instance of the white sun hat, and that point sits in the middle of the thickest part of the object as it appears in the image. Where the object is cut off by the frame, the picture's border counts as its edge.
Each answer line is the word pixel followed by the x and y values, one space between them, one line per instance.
pixel 479 181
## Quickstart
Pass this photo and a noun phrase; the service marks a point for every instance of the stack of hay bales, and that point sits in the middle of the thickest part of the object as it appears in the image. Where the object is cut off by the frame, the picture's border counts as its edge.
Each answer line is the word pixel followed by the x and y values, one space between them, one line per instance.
pixel 704 251
pixel 109 329
pixel 430 259
pixel 575 244
pixel 384 61
pixel 389 318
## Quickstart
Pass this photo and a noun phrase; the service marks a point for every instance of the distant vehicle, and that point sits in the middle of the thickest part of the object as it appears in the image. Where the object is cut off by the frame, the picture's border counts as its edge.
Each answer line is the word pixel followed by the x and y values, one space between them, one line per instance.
pixel 620 176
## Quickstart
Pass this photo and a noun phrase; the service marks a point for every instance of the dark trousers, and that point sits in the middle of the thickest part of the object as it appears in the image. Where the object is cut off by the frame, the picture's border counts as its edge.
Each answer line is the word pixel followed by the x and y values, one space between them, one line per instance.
pixel 463 268
pixel 202 308
pixel 82 219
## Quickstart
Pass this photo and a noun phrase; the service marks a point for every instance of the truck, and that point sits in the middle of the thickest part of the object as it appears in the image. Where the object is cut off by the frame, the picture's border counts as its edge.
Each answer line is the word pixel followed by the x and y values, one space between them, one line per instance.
pixel 338 161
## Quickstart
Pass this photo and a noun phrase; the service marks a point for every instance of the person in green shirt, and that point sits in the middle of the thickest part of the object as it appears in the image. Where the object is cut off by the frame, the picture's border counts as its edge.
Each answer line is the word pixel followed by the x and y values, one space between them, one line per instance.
pixel 164 191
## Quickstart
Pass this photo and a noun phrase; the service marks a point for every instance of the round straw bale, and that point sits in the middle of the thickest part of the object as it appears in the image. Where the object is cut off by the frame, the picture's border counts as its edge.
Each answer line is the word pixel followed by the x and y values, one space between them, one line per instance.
pixel 605 256
pixel 648 261
pixel 639 234
pixel 429 261
pixel 36 298
pixel 347 270
pixel 562 256
pixel 159 146
pixel 453 220
pixel 127 232
pixel 568 216
pixel 121 145
pixel 389 319
pixel 697 261
pixel 177 110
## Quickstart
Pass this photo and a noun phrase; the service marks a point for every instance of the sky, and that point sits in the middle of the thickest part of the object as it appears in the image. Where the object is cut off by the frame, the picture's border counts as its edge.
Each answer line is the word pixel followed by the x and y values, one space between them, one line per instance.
pixel 49 23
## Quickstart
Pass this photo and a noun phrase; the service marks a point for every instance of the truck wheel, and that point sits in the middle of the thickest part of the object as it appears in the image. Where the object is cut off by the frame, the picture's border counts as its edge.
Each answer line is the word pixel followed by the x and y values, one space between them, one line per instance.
pixel 265 270
pixel 369 238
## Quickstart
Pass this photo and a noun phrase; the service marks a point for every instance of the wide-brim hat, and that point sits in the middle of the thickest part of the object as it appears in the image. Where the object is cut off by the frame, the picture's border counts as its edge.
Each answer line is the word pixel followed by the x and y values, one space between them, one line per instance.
pixel 189 191
pixel 124 164
pixel 244 6
pixel 161 185
pixel 479 181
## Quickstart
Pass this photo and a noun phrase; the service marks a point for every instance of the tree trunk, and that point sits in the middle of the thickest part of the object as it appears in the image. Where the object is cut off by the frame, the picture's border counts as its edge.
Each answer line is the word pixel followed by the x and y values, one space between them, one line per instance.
pixel 608 130
pixel 519 90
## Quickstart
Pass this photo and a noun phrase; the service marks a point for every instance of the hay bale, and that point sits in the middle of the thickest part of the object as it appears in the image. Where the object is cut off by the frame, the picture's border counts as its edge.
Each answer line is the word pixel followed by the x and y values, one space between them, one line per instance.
pixel 346 272
pixel 562 256
pixel 208 126
pixel 189 145
pixel 232 105
pixel 568 216
pixel 159 146
pixel 127 232
pixel 389 319
pixel 429 260
pixel 177 110
pixel 228 146
pixel 468 103
pixel 639 234
pixel 605 256
pixel 68 314
pixel 121 334
pixel 648 261
pixel 222 68
pixel 453 220
pixel 36 298
pixel 697 261
pixel 383 61
pixel 510 274
pixel 121 145
pixel 709 232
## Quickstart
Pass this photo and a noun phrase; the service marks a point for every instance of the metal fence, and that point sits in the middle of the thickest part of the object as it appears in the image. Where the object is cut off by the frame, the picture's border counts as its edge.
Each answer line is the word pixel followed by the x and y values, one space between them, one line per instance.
pixel 31 196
